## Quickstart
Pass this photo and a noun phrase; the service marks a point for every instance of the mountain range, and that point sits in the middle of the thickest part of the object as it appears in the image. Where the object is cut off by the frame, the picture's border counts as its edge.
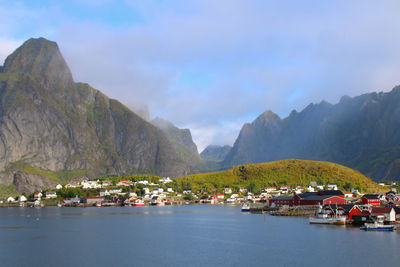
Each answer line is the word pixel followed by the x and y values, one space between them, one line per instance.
pixel 362 132
pixel 54 129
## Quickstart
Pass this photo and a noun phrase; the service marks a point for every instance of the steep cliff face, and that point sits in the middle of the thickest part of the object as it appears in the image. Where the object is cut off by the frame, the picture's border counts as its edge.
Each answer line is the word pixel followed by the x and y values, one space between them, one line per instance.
pixel 181 136
pixel 50 122
pixel 361 132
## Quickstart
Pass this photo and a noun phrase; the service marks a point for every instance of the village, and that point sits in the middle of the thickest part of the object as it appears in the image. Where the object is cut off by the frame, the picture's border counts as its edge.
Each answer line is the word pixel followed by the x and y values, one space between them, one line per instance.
pixel 286 200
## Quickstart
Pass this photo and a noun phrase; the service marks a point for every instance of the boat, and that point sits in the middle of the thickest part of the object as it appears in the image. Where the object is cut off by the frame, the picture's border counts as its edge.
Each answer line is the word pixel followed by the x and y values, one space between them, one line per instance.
pixel 377 225
pixel 157 201
pixel 138 203
pixel 246 207
pixel 324 218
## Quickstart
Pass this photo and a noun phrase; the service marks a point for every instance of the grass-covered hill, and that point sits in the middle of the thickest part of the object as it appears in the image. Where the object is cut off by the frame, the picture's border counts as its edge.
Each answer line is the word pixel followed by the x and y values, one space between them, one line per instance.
pixel 284 172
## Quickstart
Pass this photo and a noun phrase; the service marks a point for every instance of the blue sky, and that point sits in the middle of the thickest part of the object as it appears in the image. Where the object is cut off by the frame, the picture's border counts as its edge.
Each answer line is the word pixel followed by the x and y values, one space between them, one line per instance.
pixel 213 65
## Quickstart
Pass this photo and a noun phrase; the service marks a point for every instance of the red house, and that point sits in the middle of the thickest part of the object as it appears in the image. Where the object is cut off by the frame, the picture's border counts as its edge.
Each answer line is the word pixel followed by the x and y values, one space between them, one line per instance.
pixel 371 199
pixel 323 197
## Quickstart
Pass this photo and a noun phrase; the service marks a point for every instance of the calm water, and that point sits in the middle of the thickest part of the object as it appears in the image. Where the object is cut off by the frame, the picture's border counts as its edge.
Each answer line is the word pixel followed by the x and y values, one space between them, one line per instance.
pixel 183 236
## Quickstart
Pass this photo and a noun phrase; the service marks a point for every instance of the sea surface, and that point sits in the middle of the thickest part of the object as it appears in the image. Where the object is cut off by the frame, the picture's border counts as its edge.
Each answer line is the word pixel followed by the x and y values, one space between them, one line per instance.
pixel 193 235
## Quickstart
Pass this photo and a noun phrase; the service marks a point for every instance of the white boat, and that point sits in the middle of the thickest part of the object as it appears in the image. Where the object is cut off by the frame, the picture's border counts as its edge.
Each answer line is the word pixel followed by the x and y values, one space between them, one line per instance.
pixel 246 207
pixel 324 218
pixel 138 203
pixel 377 225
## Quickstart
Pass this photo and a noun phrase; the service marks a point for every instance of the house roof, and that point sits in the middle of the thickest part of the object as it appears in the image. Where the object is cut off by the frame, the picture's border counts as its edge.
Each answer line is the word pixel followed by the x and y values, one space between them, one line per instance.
pixel 379 210
pixel 331 192
pixel 371 196
pixel 307 194
pixel 282 198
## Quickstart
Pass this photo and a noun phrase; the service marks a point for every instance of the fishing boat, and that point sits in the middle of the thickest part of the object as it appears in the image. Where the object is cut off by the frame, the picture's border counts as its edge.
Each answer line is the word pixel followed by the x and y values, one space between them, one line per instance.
pixel 246 207
pixel 377 225
pixel 324 218
pixel 138 203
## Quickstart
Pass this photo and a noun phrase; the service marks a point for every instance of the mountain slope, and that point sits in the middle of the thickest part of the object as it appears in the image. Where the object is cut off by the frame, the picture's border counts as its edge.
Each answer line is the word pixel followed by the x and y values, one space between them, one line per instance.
pixel 50 122
pixel 361 132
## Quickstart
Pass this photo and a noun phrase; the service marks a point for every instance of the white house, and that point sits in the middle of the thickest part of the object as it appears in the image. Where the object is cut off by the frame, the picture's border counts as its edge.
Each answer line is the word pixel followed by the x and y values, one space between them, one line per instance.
pixel 310 188
pixel 348 194
pixel 187 191
pixel 154 192
pixel 37 196
pixel 51 195
pixel 269 189
pixel 143 182
pixel 104 193
pixel 125 183
pixel 355 191
pixel 22 198
pixel 243 190
pixel 320 187
pixel 332 186
pixel 146 190
pixel 72 185
pixel 90 184
pixel 58 187
pixel 10 199
pixel 169 190
pixel 228 190
pixel 115 190
pixel 165 180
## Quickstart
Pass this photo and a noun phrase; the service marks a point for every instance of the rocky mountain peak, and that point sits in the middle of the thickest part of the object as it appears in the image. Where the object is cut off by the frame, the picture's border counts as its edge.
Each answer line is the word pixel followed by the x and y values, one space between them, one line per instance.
pixel 41 59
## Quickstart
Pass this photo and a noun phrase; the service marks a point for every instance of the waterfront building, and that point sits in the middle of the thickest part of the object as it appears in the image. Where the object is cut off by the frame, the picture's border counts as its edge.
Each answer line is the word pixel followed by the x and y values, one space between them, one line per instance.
pixel 389 213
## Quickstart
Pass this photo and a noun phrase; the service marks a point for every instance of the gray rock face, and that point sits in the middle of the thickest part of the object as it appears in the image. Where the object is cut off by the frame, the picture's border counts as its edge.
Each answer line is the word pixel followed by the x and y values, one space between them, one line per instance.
pixel 361 132
pixel 29 183
pixel 215 153
pixel 50 122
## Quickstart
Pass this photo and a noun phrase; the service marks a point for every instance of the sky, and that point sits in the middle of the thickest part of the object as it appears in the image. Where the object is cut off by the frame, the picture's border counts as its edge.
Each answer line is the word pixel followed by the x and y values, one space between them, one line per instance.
pixel 212 66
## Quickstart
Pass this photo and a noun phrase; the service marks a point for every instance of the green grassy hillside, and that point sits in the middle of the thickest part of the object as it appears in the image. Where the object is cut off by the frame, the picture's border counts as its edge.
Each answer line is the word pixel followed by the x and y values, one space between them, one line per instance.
pixel 284 172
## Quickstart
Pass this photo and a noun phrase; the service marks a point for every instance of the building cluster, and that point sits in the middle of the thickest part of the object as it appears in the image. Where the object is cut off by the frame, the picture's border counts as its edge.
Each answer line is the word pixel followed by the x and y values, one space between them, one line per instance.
pixel 356 210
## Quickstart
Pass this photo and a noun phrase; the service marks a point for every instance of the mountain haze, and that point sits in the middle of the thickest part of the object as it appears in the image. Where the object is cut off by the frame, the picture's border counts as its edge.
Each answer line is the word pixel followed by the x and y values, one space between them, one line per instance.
pixel 49 122
pixel 215 153
pixel 361 132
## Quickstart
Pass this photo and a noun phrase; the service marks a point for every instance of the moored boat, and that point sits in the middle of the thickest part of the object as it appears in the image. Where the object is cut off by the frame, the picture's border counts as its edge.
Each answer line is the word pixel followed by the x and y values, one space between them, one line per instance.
pixel 245 207
pixel 324 218
pixel 138 203
pixel 377 225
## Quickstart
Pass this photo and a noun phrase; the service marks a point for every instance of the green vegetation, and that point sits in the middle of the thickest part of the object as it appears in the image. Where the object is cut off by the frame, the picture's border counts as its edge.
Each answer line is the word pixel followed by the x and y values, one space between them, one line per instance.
pixel 9 190
pixel 284 172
